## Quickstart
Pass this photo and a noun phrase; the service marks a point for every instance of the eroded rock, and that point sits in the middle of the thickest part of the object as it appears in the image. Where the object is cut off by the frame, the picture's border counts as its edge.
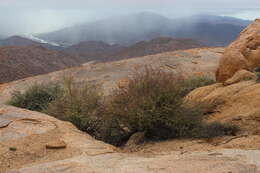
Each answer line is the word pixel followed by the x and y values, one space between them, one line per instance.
pixel 241 75
pixel 244 53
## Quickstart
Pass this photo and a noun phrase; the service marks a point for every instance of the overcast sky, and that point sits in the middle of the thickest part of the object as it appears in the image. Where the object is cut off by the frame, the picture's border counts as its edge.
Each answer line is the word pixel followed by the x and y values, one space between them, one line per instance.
pixel 36 16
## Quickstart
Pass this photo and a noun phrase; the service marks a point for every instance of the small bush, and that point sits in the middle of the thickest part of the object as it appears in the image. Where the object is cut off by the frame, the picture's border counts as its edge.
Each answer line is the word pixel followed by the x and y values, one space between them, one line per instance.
pixel 80 105
pixel 217 129
pixel 195 82
pixel 153 103
pixel 36 98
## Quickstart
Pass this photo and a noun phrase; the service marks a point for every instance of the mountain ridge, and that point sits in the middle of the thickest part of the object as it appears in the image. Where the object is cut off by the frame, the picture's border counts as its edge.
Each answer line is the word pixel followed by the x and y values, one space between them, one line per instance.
pixel 131 29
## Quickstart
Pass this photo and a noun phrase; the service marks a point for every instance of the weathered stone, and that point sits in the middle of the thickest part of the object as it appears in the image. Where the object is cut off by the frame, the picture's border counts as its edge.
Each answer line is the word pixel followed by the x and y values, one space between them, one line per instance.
pixel 57 144
pixel 244 53
pixel 241 75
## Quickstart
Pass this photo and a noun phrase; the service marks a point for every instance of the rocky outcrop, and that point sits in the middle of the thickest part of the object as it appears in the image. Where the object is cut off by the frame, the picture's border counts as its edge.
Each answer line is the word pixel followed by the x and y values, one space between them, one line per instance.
pixel 244 53
pixel 236 103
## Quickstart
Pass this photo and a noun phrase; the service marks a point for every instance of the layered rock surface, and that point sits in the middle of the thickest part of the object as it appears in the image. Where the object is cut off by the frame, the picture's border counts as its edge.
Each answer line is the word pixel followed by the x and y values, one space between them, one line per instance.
pixel 244 53
pixel 25 134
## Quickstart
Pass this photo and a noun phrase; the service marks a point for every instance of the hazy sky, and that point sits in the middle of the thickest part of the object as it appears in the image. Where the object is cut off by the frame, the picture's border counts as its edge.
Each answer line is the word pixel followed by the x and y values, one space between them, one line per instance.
pixel 35 16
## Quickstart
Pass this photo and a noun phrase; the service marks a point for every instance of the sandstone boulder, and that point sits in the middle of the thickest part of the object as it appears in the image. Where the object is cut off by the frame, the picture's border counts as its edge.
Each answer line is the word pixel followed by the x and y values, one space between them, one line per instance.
pixel 244 53
pixel 236 103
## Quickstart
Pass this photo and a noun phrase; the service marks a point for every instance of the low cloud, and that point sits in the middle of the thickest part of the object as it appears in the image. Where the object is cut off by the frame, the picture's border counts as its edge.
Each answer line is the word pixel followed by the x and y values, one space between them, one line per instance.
pixel 36 16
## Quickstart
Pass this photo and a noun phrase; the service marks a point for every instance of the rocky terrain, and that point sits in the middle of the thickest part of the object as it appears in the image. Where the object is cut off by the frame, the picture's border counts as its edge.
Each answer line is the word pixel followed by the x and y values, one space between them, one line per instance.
pixel 244 53
pixel 33 142
pixel 20 62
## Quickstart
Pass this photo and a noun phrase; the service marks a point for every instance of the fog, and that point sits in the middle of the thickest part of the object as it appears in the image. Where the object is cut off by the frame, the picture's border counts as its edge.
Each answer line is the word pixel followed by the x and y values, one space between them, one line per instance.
pixel 37 16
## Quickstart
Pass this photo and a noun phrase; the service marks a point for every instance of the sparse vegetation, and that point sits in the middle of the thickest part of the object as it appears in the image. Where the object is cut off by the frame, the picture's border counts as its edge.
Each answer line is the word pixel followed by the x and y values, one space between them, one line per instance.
pixel 79 105
pixel 195 82
pixel 152 103
pixel 37 97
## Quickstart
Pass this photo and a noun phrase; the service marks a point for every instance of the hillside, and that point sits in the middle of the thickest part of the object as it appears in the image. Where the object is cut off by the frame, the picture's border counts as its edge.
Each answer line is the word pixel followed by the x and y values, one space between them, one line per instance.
pixel 155 46
pixel 93 50
pixel 22 41
pixel 100 51
pixel 211 30
pixel 200 61
pixel 20 62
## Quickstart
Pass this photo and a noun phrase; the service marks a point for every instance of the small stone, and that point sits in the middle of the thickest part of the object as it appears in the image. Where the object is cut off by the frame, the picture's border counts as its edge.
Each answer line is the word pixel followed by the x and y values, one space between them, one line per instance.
pixel 59 144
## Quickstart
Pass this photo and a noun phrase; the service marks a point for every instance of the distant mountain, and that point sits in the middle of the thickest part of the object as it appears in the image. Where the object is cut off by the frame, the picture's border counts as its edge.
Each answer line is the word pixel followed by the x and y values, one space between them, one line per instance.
pixel 22 41
pixel 93 50
pixel 101 51
pixel 20 62
pixel 127 30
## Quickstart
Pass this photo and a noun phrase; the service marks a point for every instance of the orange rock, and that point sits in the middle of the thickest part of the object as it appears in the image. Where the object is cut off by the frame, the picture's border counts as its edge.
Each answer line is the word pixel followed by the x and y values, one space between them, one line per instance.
pixel 244 53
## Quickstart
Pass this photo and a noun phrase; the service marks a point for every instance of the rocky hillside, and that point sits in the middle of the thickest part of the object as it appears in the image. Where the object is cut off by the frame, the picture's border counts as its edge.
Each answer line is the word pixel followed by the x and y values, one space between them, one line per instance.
pixel 93 50
pixel 101 51
pixel 127 30
pixel 34 142
pixel 20 62
pixel 200 61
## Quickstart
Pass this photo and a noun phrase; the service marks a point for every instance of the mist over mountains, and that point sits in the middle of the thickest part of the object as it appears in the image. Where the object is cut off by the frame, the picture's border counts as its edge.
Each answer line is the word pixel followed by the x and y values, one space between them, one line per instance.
pixel 209 30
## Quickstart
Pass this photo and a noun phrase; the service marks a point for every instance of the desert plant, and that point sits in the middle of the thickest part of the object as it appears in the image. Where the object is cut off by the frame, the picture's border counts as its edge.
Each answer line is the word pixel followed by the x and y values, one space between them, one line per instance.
pixel 78 104
pixel 195 82
pixel 37 97
pixel 217 129
pixel 153 103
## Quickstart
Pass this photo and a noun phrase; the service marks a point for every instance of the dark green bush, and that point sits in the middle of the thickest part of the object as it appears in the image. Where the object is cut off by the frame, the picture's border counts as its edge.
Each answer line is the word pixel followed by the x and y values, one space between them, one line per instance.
pixel 36 98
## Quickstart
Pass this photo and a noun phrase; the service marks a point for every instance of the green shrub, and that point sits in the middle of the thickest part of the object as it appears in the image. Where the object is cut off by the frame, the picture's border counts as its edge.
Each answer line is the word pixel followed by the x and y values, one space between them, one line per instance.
pixel 195 82
pixel 153 103
pixel 81 105
pixel 36 98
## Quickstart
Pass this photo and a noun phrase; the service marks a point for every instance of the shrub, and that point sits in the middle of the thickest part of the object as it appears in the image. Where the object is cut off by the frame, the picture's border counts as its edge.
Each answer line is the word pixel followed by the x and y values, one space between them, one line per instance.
pixel 37 97
pixel 153 103
pixel 217 129
pixel 81 105
pixel 195 82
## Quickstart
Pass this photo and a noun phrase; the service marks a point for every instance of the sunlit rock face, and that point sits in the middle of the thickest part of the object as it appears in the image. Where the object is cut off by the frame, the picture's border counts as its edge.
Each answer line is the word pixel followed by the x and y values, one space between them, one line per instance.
pixel 244 53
